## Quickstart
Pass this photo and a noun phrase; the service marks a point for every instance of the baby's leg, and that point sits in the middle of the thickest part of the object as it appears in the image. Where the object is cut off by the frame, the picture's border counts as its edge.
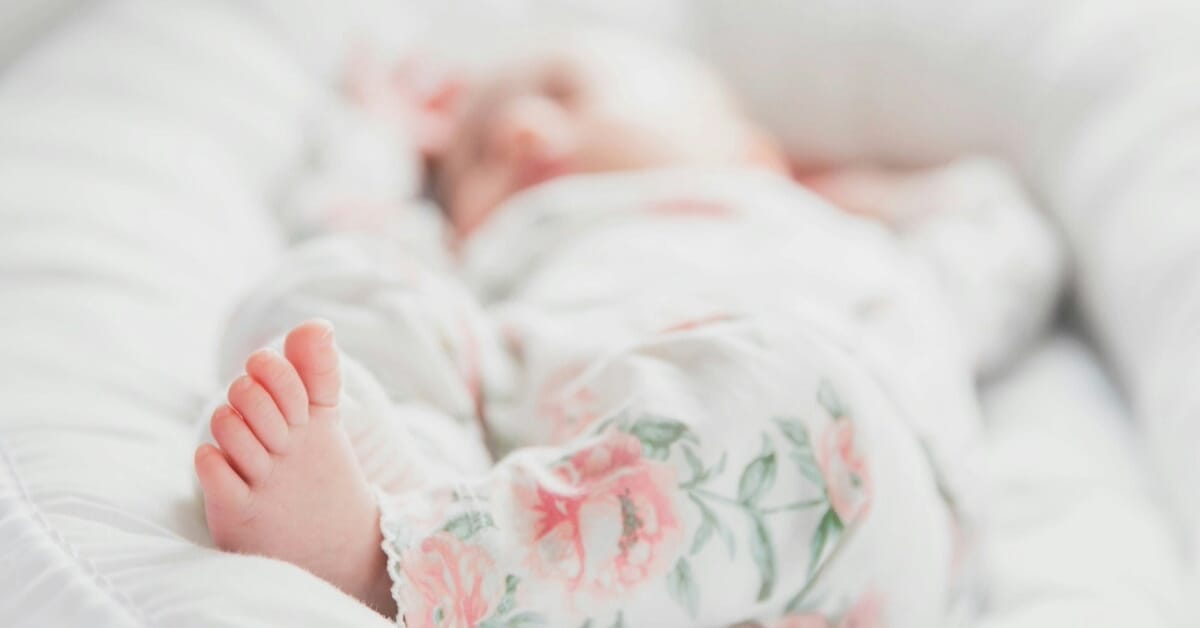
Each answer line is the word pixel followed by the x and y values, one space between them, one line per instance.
pixel 740 471
pixel 284 481
pixel 404 445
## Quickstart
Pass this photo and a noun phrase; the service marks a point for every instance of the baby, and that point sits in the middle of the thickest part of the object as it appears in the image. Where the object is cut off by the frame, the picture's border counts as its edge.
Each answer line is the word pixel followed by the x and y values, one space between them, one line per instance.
pixel 722 400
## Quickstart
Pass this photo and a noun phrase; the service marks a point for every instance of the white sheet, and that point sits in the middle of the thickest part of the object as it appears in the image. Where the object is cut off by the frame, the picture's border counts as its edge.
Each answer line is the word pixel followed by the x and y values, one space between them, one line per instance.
pixel 139 149
pixel 1076 534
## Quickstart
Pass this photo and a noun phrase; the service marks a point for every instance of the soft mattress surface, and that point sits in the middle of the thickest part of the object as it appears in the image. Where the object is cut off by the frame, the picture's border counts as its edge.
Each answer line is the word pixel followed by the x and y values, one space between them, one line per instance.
pixel 143 145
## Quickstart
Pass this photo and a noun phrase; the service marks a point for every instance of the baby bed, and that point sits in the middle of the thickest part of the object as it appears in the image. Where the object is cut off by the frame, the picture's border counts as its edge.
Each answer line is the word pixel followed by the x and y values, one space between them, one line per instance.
pixel 142 143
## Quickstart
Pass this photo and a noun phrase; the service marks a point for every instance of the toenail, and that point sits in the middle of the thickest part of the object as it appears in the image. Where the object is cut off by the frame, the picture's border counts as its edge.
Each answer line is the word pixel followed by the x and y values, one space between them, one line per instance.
pixel 265 353
pixel 264 361
pixel 326 327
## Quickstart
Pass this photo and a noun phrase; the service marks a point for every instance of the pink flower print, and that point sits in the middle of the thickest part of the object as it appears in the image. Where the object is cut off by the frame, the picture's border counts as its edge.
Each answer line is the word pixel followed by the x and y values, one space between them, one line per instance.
pixel 450 584
pixel 568 407
pixel 807 620
pixel 867 613
pixel 847 476
pixel 611 528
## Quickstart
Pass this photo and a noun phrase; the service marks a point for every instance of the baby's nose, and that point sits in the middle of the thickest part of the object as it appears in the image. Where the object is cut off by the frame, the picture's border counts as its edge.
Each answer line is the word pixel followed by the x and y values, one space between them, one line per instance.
pixel 521 140
pixel 527 130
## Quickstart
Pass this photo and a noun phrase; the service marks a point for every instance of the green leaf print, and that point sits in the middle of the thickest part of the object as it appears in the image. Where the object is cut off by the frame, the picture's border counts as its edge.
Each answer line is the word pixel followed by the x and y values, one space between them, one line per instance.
pixel 827 533
pixel 697 467
pixel 794 431
pixel 682 586
pixel 510 595
pixel 467 524
pixel 718 468
pixel 796 604
pixel 726 538
pixel 802 451
pixel 808 467
pixel 829 399
pixel 758 476
pixel 764 555
pixel 703 534
pixel 700 475
pixel 710 519
pixel 527 619
pixel 507 602
pixel 620 620
pixel 657 435
pixel 800 505
pixel 655 452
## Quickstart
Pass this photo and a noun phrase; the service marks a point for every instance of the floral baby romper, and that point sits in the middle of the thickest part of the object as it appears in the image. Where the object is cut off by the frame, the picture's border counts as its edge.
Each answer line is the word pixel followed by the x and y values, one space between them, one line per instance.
pixel 714 399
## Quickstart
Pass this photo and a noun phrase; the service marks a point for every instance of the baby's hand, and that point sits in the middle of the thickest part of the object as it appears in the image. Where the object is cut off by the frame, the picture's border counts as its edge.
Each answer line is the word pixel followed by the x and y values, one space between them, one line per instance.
pixel 869 191
pixel 414 96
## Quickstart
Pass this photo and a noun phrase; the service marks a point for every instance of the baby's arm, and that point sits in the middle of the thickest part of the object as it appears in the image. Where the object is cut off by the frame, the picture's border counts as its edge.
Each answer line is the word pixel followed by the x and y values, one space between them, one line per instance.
pixel 998 260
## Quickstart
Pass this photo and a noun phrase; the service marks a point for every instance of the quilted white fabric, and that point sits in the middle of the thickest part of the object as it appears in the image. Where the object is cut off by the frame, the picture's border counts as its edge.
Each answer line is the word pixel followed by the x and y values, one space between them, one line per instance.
pixel 142 145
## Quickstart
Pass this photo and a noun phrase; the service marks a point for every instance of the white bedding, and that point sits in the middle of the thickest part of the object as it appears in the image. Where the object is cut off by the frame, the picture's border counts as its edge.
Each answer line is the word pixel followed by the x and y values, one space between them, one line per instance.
pixel 1076 534
pixel 140 148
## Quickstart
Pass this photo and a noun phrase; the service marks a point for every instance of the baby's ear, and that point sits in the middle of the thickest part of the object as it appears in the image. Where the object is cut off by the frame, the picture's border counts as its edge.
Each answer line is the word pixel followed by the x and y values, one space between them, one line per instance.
pixel 417 96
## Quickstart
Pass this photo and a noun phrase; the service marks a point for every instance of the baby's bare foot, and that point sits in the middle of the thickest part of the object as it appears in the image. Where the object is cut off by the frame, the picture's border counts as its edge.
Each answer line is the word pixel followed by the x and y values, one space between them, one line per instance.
pixel 284 481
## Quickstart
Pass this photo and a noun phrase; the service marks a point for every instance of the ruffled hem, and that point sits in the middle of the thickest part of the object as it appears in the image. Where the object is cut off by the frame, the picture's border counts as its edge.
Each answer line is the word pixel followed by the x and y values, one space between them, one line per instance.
pixel 397 538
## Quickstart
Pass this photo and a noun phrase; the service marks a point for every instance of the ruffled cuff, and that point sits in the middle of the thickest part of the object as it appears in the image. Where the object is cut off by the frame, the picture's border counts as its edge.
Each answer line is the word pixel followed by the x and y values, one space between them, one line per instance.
pixel 398 537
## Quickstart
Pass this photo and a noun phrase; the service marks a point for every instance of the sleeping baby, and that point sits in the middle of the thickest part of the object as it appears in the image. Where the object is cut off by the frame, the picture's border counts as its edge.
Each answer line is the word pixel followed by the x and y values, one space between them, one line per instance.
pixel 658 383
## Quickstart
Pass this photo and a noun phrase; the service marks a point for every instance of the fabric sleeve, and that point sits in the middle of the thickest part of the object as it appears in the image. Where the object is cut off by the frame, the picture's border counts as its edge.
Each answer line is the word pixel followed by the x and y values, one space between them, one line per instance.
pixel 998 260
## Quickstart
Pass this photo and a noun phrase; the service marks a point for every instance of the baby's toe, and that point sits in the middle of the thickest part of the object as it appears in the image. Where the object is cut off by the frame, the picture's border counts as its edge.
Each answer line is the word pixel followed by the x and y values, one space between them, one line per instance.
pixel 261 413
pixel 220 483
pixel 244 451
pixel 280 380
pixel 310 349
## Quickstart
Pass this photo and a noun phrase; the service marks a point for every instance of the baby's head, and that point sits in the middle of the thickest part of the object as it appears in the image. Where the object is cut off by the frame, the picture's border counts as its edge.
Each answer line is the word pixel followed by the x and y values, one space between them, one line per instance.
pixel 588 102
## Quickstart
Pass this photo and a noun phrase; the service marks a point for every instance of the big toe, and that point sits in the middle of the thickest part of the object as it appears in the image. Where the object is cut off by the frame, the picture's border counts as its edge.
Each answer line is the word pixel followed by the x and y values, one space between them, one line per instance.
pixel 310 348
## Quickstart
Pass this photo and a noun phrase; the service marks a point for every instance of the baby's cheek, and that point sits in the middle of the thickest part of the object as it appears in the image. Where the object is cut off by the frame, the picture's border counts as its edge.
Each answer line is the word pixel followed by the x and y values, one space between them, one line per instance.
pixel 473 199
pixel 637 145
pixel 618 147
